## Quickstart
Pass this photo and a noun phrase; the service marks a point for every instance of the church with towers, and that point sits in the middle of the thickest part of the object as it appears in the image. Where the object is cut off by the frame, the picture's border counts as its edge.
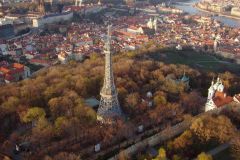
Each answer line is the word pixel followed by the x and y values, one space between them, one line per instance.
pixel 217 97
pixel 153 24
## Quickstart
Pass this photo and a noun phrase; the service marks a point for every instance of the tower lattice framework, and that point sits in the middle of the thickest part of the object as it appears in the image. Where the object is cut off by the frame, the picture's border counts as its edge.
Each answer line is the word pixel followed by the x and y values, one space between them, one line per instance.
pixel 109 106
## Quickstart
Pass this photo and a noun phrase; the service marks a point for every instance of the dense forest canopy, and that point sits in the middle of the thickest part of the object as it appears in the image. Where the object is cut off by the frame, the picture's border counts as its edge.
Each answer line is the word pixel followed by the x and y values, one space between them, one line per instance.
pixel 53 101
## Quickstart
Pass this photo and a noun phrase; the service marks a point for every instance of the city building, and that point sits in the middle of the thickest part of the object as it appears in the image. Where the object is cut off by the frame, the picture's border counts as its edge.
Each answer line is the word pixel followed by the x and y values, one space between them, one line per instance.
pixel 52 18
pixel 14 72
pixel 152 23
pixel 4 21
pixel 235 11
pixel 3 49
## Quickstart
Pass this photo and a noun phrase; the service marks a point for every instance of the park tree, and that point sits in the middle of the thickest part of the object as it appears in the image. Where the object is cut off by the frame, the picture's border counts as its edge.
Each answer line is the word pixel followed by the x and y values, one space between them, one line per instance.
pixel 31 91
pixel 158 75
pixel 177 157
pixel 55 106
pixel 61 106
pixel 204 156
pixel 235 147
pixel 173 87
pixel 6 146
pixel 122 156
pixel 43 131
pixel 132 100
pixel 60 125
pixel 48 158
pixel 161 154
pixel 192 102
pixel 210 127
pixel 33 114
pixel 160 99
pixel 90 115
pixel 122 94
pixel 184 141
pixel 85 114
pixel 232 113
pixel 11 104
pixel 66 156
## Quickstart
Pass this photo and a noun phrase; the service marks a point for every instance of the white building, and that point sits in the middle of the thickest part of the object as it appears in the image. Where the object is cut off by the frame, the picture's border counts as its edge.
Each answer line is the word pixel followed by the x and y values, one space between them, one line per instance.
pixel 216 43
pixel 235 11
pixel 53 18
pixel 4 21
pixel 216 96
pixel 27 72
pixel 135 30
pixel 3 49
pixel 179 47
pixel 150 23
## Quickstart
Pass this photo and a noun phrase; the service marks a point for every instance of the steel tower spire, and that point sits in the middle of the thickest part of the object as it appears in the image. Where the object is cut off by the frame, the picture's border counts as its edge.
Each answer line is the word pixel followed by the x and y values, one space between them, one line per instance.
pixel 109 106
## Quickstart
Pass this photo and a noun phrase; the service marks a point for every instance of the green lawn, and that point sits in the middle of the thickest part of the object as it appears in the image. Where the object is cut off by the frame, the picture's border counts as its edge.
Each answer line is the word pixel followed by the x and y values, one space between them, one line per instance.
pixel 201 61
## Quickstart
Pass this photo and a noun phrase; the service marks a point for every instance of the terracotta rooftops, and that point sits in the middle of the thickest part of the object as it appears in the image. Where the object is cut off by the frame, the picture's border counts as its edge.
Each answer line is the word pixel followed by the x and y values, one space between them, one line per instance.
pixel 221 99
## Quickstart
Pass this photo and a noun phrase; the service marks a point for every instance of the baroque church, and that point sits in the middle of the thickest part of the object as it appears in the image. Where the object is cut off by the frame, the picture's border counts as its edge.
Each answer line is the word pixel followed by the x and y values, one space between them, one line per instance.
pixel 217 97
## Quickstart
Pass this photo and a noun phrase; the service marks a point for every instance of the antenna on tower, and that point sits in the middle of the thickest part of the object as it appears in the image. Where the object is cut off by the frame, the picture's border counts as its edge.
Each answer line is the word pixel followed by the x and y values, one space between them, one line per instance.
pixel 108 42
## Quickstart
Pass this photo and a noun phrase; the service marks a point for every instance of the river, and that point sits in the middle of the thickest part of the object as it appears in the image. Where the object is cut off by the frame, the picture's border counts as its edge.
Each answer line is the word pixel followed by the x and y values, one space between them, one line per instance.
pixel 187 6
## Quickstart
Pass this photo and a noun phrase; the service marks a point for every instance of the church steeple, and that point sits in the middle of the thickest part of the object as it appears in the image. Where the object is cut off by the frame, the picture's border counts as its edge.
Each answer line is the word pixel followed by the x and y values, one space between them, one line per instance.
pixel 155 23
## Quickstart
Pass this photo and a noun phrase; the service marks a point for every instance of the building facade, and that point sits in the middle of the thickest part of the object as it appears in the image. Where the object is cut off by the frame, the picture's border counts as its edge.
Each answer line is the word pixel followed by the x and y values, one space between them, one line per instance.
pixel 235 11
pixel 53 18
pixel 217 97
pixel 14 72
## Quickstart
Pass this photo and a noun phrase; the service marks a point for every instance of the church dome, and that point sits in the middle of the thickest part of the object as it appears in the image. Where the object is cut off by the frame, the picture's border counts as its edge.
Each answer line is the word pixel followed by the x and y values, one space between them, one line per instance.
pixel 184 78
pixel 149 94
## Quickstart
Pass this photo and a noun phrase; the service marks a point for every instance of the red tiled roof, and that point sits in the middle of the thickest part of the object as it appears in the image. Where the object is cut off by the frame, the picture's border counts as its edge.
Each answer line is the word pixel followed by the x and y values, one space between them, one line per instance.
pixel 133 27
pixel 18 65
pixel 4 70
pixel 9 77
pixel 40 61
pixel 221 99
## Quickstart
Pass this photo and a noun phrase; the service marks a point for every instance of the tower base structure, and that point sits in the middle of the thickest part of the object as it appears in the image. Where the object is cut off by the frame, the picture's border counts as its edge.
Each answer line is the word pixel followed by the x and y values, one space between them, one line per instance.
pixel 109 108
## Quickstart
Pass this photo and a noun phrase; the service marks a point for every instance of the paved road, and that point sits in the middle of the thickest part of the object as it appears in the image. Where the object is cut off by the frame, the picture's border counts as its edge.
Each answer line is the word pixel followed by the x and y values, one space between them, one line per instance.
pixel 218 149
